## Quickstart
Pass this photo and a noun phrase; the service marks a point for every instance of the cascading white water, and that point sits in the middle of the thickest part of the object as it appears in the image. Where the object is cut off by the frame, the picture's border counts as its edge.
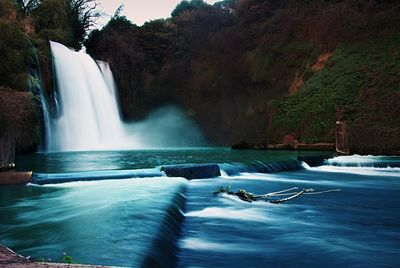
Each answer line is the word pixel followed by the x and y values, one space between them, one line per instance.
pixel 88 116
pixel 109 78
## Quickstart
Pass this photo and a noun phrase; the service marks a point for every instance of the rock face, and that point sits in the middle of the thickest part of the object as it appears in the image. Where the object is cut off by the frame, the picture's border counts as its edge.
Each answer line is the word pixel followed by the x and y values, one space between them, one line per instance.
pixel 9 257
pixel 19 124
pixel 13 178
pixel 342 138
pixel 7 147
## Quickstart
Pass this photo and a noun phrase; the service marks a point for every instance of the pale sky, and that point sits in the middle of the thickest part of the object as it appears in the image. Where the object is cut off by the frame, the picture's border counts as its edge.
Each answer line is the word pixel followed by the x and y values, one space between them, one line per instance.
pixel 139 11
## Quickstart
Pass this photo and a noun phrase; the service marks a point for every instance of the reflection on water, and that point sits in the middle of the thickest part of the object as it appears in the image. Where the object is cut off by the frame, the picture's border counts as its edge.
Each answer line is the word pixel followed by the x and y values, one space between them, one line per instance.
pixel 137 222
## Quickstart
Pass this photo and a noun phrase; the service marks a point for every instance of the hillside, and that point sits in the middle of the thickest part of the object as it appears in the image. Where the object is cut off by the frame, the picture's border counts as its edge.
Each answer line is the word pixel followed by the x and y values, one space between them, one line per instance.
pixel 257 71
pixel 252 71
pixel 25 64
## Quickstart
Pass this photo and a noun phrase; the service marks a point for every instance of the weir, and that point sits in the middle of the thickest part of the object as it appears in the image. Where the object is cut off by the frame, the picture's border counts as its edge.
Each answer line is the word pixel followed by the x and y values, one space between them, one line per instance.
pixel 187 171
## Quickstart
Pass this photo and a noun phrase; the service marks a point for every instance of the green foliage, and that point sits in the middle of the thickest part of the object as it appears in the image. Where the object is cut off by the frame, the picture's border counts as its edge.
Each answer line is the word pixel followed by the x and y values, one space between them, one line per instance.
pixel 26 6
pixel 7 8
pixel 310 114
pixel 40 259
pixel 64 21
pixel 231 65
pixel 187 6
pixel 67 258
pixel 13 52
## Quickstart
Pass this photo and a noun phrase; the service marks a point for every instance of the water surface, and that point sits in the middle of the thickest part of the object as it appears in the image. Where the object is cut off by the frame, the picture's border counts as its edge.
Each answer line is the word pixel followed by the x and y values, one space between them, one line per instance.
pixel 147 222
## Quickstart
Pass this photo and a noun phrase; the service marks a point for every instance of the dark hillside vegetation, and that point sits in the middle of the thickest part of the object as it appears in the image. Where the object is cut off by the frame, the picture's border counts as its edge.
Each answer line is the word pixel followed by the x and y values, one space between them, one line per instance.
pixel 252 71
pixel 257 71
pixel 26 26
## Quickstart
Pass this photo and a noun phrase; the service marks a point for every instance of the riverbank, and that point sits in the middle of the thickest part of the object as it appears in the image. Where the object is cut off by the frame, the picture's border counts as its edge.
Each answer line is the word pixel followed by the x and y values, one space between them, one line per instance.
pixel 286 146
pixel 10 259
pixel 11 177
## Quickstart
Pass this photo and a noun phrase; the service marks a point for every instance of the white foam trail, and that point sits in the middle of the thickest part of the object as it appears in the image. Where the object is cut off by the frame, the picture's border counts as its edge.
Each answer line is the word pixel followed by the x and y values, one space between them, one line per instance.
pixel 369 171
pixel 203 244
pixel 231 214
pixel 360 160
pixel 276 177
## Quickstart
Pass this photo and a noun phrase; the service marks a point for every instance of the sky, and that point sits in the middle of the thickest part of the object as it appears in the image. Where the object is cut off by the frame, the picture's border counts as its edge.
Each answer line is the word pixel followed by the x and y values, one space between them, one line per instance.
pixel 139 11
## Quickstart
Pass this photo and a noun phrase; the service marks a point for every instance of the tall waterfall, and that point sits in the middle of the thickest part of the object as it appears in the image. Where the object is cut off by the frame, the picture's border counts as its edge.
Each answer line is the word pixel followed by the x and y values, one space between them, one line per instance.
pixel 87 112
pixel 86 116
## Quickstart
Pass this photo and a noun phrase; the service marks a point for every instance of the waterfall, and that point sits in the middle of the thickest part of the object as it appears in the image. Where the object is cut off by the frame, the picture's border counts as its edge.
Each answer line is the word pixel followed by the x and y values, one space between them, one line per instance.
pixel 88 117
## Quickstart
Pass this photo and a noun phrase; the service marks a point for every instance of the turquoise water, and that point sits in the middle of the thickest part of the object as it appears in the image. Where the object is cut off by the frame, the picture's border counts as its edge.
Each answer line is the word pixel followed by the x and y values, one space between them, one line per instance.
pixel 171 222
pixel 111 160
pixel 104 222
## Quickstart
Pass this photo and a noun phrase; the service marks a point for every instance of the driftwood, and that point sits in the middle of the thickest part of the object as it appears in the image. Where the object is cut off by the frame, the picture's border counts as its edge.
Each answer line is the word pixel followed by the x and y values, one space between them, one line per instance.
pixel 274 197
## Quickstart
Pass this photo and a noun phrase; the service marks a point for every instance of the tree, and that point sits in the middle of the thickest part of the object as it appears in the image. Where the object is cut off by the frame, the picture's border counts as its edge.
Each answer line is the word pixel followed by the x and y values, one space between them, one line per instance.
pixel 65 21
pixel 26 6
pixel 187 6
pixel 83 16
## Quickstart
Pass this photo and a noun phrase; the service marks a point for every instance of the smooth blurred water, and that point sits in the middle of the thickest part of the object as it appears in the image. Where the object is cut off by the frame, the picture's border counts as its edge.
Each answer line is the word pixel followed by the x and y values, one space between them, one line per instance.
pixel 103 222
pixel 138 222
pixel 138 159
pixel 356 227
pixel 87 115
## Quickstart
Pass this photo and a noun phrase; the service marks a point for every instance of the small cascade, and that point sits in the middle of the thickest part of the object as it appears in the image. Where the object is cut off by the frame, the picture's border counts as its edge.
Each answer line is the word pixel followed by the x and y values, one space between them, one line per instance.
pixel 36 87
pixel 364 161
pixel 109 79
pixel 260 167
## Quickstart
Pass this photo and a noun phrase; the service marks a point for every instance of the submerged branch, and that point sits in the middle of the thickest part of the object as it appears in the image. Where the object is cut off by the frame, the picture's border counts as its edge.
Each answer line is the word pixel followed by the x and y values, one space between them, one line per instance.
pixel 271 197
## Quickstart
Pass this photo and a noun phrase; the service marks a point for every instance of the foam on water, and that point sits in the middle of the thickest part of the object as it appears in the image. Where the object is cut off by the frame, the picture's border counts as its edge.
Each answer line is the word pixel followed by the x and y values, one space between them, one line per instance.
pixel 364 161
pixel 208 245
pixel 369 171
pixel 249 214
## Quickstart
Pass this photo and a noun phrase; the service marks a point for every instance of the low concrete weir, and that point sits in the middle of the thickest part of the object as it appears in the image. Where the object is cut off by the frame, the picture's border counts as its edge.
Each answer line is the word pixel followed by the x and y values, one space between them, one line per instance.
pixel 314 160
pixel 261 167
pixel 55 178
pixel 187 171
pixel 192 171
pixel 163 252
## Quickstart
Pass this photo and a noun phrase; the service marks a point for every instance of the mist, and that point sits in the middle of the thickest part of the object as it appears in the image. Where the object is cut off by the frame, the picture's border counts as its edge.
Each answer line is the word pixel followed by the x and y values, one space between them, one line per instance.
pixel 167 127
